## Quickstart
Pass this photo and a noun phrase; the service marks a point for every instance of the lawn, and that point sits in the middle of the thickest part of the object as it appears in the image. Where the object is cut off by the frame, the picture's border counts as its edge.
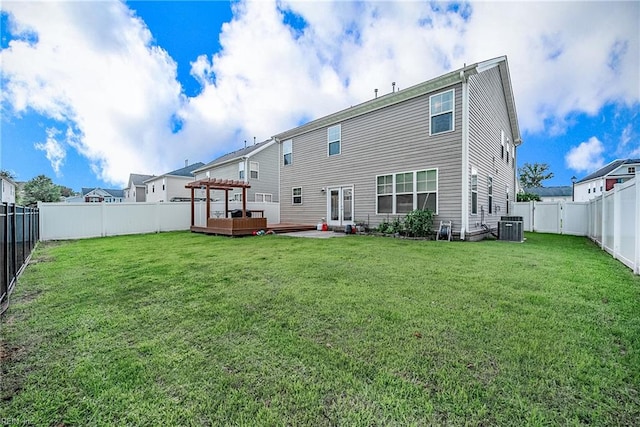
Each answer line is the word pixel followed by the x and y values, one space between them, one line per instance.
pixel 187 329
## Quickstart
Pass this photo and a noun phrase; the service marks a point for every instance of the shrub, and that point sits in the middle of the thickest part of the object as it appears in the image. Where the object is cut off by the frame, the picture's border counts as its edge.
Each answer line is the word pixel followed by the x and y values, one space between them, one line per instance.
pixel 527 197
pixel 419 223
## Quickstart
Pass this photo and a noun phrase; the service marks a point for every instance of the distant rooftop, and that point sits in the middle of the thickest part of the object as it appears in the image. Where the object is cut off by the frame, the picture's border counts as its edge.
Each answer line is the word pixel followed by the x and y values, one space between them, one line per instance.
pixel 606 170
pixel 559 191
pixel 237 154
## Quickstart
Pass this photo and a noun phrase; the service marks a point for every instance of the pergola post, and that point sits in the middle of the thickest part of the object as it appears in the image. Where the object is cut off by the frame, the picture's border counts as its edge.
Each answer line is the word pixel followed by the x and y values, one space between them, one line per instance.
pixel 244 202
pixel 226 202
pixel 193 216
pixel 206 200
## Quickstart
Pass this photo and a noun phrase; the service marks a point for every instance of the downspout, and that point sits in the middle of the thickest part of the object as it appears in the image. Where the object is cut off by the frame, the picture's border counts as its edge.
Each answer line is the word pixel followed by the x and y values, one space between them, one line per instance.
pixel 465 155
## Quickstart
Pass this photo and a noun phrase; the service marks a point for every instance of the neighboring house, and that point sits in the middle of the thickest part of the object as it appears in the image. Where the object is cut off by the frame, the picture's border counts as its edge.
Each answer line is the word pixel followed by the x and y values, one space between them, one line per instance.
pixel 448 144
pixel 257 165
pixel 97 195
pixel 8 190
pixel 136 190
pixel 551 194
pixel 603 180
pixel 170 187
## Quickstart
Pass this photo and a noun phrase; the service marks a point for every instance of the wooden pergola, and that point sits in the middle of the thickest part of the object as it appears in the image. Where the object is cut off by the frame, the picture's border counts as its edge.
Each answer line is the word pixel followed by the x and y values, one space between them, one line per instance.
pixel 229 226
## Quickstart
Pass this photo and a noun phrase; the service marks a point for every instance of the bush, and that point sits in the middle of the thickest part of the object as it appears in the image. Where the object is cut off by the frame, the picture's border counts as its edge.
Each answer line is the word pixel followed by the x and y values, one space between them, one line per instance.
pixel 527 197
pixel 419 223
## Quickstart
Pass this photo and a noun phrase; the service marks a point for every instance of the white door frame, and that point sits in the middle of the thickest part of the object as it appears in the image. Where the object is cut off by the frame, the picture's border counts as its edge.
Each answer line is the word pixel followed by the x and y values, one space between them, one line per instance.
pixel 340 220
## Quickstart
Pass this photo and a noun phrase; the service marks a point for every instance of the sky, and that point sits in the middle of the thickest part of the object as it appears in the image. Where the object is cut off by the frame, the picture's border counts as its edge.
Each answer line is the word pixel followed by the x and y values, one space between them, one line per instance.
pixel 95 90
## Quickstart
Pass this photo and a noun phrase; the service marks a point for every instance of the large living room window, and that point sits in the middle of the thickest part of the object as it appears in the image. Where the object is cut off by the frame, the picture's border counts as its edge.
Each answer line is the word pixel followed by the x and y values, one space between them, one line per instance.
pixel 441 112
pixel 403 192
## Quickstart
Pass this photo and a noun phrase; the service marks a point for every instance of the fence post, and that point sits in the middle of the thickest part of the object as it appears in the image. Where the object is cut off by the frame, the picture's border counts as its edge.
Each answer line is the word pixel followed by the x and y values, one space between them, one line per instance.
pixel 616 221
pixel 637 260
pixel 4 281
pixel 603 221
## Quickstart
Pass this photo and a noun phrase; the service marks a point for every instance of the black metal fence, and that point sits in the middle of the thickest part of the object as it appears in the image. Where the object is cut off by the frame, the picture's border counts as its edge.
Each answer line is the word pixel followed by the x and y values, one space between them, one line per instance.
pixel 19 233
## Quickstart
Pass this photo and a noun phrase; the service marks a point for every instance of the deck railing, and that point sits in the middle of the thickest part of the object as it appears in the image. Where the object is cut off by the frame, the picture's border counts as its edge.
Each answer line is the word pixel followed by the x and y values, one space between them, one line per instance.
pixel 19 233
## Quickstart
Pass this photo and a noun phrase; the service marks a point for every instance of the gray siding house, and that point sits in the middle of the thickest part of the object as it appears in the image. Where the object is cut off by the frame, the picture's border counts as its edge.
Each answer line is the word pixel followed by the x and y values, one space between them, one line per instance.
pixel 136 189
pixel 448 144
pixel 170 187
pixel 257 165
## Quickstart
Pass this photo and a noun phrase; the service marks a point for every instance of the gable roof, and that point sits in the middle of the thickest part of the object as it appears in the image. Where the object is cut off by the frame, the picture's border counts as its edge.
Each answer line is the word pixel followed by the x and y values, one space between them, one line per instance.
pixel 138 179
pixel 186 171
pixel 111 192
pixel 607 169
pixel 559 191
pixel 430 86
pixel 238 154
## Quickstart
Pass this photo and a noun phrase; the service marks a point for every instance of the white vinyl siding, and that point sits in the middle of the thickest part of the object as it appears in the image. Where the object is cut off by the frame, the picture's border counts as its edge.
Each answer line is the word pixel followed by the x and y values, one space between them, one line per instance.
pixel 334 136
pixel 441 116
pixel 406 191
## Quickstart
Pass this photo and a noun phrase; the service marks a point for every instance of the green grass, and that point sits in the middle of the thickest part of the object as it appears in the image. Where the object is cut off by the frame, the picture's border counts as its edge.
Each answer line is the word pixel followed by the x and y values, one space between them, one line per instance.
pixel 187 329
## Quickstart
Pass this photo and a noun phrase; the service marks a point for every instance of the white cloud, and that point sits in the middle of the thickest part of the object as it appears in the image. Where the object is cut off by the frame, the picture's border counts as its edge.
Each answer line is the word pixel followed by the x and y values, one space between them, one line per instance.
pixel 94 68
pixel 53 149
pixel 586 157
pixel 629 143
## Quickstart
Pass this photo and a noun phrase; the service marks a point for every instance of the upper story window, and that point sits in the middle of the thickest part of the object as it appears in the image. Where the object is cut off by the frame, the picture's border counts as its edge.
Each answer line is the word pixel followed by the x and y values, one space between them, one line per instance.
pixel 164 182
pixel 253 170
pixel 241 170
pixel 490 193
pixel 287 152
pixel 441 112
pixel 631 169
pixel 502 144
pixel 334 135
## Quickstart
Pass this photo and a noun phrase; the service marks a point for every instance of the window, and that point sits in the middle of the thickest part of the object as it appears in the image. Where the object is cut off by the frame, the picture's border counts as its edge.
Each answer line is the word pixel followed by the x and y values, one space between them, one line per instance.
pixel 631 169
pixel 153 188
pixel 287 152
pixel 264 197
pixel 163 183
pixel 502 143
pixel 385 194
pixel 241 171
pixel 474 191
pixel 405 191
pixel 253 170
pixel 508 150
pixel 237 197
pixel 490 193
pixel 426 187
pixel 296 196
pixel 441 112
pixel 333 138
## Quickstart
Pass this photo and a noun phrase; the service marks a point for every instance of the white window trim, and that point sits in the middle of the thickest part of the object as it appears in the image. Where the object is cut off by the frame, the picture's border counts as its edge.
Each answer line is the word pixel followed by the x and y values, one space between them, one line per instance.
pixel 474 171
pixel 393 194
pixel 254 167
pixel 262 197
pixel 241 174
pixel 339 140
pixel 288 142
pixel 453 112
pixel 490 195
pixel 293 196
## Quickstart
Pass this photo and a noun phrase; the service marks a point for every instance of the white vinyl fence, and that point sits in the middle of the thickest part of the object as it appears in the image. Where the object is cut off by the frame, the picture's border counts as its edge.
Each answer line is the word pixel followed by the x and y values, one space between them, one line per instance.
pixel 64 221
pixel 612 220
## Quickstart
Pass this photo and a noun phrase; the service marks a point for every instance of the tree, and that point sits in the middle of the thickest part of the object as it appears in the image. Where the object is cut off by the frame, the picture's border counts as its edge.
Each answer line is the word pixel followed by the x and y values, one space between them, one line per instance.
pixel 66 191
pixel 41 189
pixel 7 174
pixel 532 175
pixel 527 197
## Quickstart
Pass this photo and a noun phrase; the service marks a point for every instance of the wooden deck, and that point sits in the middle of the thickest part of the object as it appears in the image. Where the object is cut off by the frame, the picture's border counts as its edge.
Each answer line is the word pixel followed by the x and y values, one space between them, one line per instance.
pixel 247 226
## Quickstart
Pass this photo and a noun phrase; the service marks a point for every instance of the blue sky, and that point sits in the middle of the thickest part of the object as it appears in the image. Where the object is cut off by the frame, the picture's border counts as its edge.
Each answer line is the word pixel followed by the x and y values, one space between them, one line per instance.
pixel 93 91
